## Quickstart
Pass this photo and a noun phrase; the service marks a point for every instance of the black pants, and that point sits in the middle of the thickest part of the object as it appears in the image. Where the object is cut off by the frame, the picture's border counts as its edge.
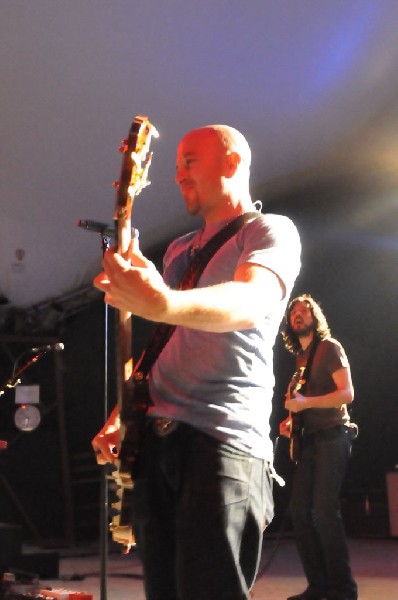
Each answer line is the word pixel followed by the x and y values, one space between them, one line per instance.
pixel 199 509
pixel 316 515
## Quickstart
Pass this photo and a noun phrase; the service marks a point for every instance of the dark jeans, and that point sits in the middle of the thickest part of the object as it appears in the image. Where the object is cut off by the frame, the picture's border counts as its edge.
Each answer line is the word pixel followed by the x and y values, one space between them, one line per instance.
pixel 199 509
pixel 315 510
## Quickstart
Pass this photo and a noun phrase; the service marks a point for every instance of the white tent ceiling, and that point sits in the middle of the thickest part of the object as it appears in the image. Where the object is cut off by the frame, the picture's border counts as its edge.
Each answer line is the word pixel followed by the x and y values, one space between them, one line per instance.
pixel 311 83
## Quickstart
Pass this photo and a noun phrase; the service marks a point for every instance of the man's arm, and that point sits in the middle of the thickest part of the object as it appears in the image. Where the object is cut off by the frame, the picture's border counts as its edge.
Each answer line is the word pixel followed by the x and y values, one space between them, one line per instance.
pixel 229 306
pixel 344 394
pixel 233 305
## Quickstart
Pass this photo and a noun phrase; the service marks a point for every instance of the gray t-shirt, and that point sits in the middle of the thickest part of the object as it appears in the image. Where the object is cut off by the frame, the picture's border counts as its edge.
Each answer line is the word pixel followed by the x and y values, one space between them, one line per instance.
pixel 222 383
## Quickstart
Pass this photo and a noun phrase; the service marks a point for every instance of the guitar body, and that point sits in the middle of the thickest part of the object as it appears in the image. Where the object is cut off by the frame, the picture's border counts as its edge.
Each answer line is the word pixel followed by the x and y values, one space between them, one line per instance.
pixel 295 384
pixel 133 179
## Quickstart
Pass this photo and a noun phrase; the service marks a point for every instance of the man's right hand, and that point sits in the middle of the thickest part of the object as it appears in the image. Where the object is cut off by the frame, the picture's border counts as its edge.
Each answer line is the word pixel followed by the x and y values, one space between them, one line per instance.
pixel 106 443
pixel 285 427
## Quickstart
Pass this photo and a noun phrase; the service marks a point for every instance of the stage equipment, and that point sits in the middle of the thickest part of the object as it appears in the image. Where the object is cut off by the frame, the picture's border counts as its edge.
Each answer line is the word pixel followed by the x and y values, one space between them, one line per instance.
pixel 27 417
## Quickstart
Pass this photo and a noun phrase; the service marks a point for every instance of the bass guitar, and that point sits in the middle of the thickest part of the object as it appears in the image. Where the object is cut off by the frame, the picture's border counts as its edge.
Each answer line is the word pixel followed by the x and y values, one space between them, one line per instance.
pixel 133 178
pixel 296 383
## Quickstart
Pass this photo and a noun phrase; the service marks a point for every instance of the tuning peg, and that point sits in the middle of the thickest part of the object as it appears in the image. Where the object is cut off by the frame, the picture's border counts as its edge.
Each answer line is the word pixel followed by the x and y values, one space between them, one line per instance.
pixel 123 146
pixel 115 184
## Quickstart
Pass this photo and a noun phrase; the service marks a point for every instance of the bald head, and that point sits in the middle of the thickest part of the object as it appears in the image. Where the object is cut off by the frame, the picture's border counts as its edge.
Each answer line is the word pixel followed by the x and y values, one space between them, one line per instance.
pixel 232 140
pixel 212 171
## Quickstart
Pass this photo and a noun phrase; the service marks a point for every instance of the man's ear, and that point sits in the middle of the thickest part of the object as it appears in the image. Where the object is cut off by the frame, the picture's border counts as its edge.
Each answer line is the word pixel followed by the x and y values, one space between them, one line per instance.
pixel 232 162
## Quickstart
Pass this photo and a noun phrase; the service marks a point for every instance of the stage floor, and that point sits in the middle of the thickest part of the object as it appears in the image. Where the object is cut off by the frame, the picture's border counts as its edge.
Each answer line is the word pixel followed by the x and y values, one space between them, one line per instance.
pixel 374 563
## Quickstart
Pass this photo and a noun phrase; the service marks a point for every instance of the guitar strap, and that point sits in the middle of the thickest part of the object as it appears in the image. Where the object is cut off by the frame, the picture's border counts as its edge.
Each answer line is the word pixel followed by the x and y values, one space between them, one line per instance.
pixel 308 366
pixel 163 332
pixel 306 378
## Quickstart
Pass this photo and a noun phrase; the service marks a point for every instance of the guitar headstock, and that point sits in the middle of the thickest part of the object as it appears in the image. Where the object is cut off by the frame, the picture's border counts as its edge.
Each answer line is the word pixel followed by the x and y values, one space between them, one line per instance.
pixel 135 165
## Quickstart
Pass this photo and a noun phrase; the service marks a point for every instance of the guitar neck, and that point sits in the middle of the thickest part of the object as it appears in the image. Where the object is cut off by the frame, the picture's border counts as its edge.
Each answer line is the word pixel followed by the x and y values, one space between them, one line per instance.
pixel 133 178
pixel 124 323
pixel 124 357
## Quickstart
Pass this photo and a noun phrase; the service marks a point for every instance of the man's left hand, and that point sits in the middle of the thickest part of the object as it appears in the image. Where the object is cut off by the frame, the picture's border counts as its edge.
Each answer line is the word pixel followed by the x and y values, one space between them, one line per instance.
pixel 297 403
pixel 133 285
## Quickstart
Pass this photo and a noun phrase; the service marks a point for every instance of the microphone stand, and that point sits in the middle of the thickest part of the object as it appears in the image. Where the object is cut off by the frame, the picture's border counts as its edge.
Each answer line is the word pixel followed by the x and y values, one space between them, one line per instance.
pixel 14 379
pixel 104 493
pixel 105 232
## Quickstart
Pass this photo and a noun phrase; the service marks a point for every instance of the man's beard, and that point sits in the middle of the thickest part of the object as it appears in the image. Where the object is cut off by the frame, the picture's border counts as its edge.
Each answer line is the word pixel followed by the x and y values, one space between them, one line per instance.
pixel 192 204
pixel 304 330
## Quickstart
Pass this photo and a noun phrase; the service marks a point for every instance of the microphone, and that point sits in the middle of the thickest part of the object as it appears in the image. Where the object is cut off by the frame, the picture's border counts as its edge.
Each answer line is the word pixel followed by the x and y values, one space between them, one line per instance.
pixel 102 228
pixel 49 348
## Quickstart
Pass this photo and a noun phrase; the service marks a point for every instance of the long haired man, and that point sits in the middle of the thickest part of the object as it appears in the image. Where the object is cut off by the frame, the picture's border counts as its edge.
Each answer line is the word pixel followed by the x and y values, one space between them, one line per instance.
pixel 319 419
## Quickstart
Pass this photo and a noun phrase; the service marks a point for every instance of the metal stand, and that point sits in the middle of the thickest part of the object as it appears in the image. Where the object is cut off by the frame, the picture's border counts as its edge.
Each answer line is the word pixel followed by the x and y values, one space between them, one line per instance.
pixel 105 232
pixel 14 380
pixel 104 493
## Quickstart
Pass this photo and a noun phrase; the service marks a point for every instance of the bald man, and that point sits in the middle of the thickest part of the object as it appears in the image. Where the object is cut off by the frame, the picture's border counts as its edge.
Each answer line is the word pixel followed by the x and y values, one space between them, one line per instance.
pixel 203 479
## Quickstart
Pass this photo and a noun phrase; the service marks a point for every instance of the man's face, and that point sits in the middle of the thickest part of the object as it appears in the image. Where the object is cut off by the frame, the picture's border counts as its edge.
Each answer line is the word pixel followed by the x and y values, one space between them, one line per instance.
pixel 200 167
pixel 301 319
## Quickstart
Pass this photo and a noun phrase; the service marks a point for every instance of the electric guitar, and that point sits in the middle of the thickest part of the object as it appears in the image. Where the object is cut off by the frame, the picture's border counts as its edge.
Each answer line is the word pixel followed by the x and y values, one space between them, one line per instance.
pixel 294 386
pixel 133 178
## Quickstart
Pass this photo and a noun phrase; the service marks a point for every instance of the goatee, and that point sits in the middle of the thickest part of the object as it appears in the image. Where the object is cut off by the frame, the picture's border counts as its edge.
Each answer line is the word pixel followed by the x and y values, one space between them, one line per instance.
pixel 304 331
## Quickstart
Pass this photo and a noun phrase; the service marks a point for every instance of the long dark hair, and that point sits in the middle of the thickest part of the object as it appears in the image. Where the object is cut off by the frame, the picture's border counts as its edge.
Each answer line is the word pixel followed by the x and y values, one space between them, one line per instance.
pixel 321 327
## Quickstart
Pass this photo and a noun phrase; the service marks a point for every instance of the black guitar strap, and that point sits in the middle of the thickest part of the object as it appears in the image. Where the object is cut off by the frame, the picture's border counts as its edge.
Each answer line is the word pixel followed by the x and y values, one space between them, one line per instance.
pixel 163 332
pixel 308 366
pixel 306 377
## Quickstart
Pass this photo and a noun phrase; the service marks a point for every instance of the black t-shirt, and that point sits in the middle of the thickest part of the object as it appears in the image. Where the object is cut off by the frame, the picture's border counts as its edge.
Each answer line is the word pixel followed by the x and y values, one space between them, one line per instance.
pixel 329 357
